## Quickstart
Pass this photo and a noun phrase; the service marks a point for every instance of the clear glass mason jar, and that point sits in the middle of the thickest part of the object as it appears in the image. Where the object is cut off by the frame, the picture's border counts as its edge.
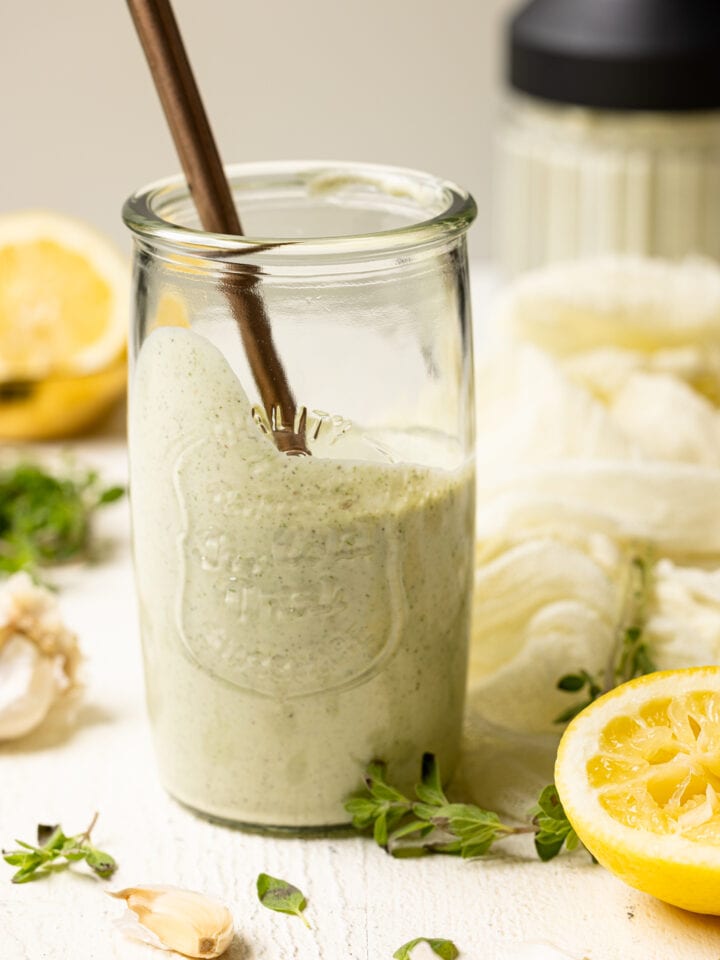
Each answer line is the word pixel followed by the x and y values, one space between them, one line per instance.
pixel 302 615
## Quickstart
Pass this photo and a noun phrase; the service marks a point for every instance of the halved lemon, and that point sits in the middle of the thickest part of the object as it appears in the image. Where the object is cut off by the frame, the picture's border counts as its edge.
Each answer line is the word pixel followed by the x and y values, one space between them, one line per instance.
pixel 64 301
pixel 64 292
pixel 638 773
pixel 60 407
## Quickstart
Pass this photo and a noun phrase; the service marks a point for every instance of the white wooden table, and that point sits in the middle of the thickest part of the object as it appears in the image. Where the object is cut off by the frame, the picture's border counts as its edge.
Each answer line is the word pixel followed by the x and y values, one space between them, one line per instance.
pixel 362 903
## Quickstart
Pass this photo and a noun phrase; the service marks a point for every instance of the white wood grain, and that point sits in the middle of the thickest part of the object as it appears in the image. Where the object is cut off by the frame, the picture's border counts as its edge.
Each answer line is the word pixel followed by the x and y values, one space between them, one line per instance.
pixel 362 904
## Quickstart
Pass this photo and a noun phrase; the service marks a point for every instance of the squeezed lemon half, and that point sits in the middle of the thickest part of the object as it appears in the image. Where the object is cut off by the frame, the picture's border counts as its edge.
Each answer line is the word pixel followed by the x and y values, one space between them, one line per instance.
pixel 638 773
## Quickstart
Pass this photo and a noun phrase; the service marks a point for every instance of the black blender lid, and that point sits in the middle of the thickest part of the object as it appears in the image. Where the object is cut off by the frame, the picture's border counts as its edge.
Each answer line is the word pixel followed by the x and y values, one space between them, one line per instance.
pixel 619 54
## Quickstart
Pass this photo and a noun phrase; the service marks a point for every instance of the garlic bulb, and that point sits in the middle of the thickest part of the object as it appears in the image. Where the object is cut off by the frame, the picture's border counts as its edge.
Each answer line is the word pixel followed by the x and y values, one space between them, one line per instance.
pixel 174 919
pixel 39 656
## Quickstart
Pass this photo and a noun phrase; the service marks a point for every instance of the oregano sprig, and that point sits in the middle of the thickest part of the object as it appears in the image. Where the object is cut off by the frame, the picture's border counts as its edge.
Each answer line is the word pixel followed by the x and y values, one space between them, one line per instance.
pixel 56 851
pixel 630 655
pixel 429 823
pixel 46 517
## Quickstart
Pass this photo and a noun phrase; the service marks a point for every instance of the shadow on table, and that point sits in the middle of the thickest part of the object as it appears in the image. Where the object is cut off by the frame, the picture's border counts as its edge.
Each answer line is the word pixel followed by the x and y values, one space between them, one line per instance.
pixel 62 722
pixel 690 926
pixel 239 949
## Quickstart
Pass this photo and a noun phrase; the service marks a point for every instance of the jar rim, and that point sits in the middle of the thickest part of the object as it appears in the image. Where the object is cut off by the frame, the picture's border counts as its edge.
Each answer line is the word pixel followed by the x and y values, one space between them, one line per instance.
pixel 451 210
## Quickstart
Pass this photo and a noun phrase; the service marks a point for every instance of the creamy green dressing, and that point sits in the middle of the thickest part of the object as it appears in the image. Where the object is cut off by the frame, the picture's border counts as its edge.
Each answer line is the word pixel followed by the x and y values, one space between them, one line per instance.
pixel 300 616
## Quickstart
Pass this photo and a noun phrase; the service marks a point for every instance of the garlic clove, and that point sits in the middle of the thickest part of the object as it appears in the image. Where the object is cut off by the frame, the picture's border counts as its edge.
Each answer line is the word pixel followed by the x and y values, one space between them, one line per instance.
pixel 39 656
pixel 182 920
pixel 28 687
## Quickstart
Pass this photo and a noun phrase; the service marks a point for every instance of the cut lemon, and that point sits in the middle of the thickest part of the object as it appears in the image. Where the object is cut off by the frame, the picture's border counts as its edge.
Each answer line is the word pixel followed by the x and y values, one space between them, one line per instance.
pixel 64 293
pixel 63 298
pixel 638 773
pixel 59 407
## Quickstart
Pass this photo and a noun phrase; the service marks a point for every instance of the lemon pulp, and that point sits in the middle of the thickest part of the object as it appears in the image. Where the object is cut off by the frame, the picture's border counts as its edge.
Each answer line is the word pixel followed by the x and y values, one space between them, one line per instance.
pixel 659 770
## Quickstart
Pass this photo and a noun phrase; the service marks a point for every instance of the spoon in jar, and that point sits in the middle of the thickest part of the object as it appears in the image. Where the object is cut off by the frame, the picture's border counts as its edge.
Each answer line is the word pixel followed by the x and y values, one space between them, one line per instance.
pixel 198 153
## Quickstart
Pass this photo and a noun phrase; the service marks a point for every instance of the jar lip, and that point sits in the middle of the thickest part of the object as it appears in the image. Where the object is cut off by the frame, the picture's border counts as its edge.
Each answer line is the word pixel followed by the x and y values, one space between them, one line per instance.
pixel 142 211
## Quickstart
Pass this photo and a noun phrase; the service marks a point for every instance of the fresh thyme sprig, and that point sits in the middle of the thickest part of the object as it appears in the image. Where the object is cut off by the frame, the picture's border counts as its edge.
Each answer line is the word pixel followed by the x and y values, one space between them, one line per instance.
pixel 45 518
pixel 630 656
pixel 55 851
pixel 431 824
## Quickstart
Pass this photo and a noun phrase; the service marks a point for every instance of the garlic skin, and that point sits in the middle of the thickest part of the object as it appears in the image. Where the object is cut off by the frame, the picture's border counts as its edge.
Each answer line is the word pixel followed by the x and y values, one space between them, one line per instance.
pixel 39 656
pixel 174 919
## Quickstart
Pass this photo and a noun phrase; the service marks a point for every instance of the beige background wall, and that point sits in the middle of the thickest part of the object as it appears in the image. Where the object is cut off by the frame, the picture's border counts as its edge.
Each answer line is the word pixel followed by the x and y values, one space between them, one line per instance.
pixel 400 81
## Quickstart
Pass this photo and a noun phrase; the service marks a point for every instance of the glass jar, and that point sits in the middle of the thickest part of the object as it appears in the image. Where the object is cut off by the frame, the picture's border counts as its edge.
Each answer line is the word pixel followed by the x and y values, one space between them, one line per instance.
pixel 576 182
pixel 302 615
pixel 611 137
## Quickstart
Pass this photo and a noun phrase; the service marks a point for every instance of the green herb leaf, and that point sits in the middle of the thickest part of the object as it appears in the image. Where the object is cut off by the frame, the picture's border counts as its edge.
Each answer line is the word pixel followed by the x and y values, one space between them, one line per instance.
pixel 421 827
pixel 26 873
pixel 445 949
pixel 16 859
pixel 475 829
pixel 110 495
pixel 45 518
pixel 281 896
pixel 379 806
pixel 554 828
pixel 362 810
pixel 55 852
pixel 101 863
pixel 376 782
